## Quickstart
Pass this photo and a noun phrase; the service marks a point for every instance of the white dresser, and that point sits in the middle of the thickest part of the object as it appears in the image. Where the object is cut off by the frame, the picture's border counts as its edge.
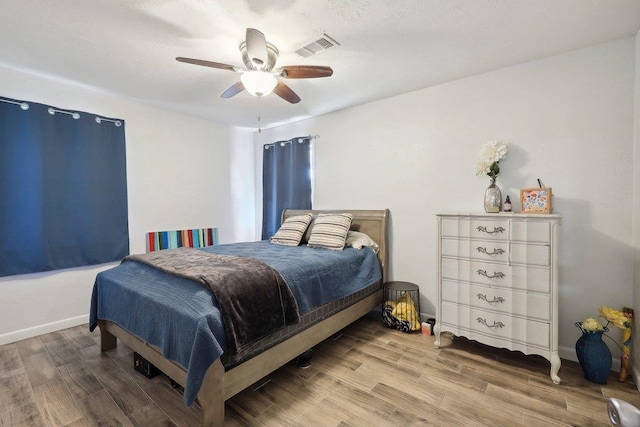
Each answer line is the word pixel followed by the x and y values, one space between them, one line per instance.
pixel 498 281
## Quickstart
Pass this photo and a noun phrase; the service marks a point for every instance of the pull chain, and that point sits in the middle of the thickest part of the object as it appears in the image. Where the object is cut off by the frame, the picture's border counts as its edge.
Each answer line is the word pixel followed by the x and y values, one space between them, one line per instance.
pixel 259 125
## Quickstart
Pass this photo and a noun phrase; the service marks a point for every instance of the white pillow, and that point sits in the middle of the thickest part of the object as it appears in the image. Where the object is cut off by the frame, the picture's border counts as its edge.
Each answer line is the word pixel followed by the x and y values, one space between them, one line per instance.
pixel 357 240
pixel 291 231
pixel 330 231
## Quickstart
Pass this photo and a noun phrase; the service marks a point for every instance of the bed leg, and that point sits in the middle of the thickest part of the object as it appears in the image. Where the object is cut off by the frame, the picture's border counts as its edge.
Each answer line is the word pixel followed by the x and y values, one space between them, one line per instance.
pixel 211 396
pixel 108 341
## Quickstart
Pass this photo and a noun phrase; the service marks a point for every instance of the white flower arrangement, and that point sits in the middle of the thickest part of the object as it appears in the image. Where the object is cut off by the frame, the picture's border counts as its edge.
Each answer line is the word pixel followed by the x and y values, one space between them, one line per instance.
pixel 490 155
pixel 591 325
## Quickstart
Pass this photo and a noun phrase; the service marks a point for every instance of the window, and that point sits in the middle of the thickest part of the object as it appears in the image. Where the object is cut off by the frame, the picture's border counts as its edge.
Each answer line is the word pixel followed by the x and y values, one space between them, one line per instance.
pixel 286 180
pixel 63 189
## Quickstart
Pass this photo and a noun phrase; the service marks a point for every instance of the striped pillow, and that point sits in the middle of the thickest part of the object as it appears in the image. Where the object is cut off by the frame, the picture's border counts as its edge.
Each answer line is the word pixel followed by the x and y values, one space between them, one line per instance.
pixel 291 231
pixel 330 231
pixel 307 234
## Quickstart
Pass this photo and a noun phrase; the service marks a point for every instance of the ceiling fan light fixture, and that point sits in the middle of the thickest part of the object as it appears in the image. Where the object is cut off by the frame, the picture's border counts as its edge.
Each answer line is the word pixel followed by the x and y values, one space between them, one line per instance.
pixel 258 83
pixel 259 77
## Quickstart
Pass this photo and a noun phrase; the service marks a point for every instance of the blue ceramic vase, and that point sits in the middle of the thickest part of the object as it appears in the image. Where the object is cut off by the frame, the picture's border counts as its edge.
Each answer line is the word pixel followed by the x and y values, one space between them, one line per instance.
pixel 594 356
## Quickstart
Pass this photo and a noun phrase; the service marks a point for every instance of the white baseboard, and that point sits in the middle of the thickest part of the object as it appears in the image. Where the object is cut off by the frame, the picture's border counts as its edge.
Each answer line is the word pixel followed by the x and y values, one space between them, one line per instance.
pixel 42 329
pixel 635 374
pixel 569 353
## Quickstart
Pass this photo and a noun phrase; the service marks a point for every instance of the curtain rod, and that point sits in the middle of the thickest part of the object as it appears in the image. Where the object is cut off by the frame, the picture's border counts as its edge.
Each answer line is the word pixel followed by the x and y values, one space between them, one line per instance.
pixel 73 114
pixel 52 111
pixel 299 138
pixel 103 119
pixel 22 105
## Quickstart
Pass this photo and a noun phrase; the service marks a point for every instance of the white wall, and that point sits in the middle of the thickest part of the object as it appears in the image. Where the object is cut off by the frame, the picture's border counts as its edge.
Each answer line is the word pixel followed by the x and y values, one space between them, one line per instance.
pixel 635 349
pixel 182 172
pixel 568 120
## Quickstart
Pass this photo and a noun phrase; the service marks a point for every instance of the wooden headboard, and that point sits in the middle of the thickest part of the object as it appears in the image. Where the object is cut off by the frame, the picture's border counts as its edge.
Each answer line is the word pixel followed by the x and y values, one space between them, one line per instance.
pixel 371 222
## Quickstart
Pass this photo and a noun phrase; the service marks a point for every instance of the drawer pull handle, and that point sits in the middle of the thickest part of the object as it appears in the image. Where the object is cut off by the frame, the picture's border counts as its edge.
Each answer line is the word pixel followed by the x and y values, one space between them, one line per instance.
pixel 496 275
pixel 496 251
pixel 495 324
pixel 494 300
pixel 483 229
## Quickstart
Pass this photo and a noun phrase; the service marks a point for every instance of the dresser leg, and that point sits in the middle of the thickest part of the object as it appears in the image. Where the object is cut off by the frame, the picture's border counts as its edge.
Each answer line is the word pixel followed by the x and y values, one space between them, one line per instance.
pixel 555 367
pixel 436 331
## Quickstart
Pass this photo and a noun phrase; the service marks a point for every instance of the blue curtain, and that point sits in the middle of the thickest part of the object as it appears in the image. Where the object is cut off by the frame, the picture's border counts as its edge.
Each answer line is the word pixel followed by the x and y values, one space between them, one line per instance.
pixel 63 188
pixel 286 180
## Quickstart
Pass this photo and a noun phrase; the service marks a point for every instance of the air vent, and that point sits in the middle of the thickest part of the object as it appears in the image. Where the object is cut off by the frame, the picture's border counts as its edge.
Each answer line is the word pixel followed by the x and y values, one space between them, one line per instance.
pixel 317 46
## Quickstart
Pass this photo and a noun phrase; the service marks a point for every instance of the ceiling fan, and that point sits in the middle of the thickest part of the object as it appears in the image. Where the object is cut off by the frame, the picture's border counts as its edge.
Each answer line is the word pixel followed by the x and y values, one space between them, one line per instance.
pixel 260 77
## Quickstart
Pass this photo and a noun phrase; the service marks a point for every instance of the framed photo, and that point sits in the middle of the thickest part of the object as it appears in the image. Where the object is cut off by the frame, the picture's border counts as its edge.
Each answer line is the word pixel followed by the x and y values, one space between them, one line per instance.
pixel 536 200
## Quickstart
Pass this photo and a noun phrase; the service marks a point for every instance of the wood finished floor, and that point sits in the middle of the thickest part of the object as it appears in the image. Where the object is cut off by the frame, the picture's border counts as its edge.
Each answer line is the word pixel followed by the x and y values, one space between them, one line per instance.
pixel 367 375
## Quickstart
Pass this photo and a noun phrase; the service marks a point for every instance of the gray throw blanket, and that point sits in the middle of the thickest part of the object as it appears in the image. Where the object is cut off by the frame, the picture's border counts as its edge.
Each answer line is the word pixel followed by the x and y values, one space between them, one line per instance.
pixel 253 298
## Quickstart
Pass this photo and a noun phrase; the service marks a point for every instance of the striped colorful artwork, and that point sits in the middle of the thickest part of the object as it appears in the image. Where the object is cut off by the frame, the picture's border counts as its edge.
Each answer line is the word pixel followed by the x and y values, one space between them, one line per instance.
pixel 193 238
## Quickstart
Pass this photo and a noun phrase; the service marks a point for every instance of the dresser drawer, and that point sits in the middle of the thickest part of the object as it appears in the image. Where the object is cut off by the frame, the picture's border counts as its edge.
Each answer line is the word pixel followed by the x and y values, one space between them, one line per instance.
pixel 538 255
pixel 476 228
pixel 515 329
pixel 501 300
pixel 476 249
pixel 531 231
pixel 508 276
pixel 520 253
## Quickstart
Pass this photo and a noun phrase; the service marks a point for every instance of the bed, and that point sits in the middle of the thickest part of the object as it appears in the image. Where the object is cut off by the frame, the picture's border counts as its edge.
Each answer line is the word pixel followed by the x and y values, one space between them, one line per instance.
pixel 227 375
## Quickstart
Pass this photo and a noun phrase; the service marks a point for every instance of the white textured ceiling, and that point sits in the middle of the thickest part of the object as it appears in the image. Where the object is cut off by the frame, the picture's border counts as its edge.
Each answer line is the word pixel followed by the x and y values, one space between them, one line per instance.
pixel 387 47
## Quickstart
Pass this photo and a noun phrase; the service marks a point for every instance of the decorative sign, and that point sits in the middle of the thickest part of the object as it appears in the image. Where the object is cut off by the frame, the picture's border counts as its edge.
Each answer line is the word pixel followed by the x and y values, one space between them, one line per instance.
pixel 536 200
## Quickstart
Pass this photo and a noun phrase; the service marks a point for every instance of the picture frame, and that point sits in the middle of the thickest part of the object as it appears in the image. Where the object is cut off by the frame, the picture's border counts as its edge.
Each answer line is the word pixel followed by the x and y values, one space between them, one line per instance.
pixel 536 200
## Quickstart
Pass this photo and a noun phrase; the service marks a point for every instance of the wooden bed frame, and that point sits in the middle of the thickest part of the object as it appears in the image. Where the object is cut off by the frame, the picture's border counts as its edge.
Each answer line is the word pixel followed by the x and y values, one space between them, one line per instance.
pixel 218 385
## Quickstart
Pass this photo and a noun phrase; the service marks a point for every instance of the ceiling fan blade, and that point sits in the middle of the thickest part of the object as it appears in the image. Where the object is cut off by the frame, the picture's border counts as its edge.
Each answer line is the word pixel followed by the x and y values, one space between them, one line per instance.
pixel 235 89
pixel 305 71
pixel 285 92
pixel 207 63
pixel 256 48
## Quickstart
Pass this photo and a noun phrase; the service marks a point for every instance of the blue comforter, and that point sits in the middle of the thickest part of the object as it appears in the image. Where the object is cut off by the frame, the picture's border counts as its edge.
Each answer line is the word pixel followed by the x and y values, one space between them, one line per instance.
pixel 182 317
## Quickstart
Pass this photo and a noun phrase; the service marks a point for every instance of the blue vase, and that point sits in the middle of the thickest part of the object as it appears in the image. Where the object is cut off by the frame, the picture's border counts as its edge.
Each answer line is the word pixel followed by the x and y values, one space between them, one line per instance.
pixel 594 356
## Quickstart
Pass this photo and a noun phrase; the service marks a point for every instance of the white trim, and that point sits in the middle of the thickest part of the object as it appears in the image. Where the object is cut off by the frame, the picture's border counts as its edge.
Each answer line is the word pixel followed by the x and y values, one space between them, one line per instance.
pixel 569 353
pixel 635 374
pixel 43 329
